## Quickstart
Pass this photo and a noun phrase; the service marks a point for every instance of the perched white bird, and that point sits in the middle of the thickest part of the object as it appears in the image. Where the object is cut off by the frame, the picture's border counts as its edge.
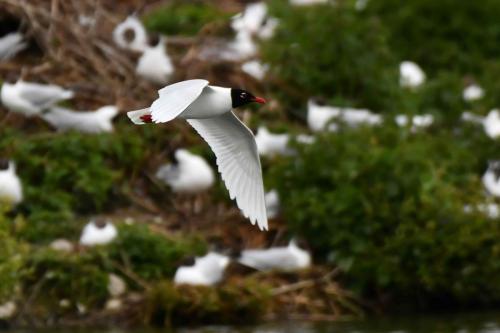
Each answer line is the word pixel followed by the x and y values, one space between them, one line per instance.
pixel 356 117
pixel 62 245
pixel 98 121
pixel 272 204
pixel 11 44
pixel 472 118
pixel 284 258
pixel 320 116
pixel 11 190
pixel 410 75
pixel 189 173
pixel 269 144
pixel 491 178
pixel 208 110
pixel 268 29
pixel 155 65
pixel 98 232
pixel 491 124
pixel 307 2
pixel 417 121
pixel 252 18
pixel 32 98
pixel 7 310
pixel 116 285
pixel 255 68
pixel 243 46
pixel 206 271
pixel 491 210
pixel 472 93
pixel 131 34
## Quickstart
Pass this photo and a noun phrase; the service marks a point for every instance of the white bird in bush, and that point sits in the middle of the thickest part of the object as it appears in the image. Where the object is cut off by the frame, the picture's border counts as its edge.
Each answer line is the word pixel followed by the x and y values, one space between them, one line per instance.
pixel 11 44
pixel 32 98
pixel 472 93
pixel 268 29
pixel 491 178
pixel 98 121
pixel 417 121
pixel 155 65
pixel 472 118
pixel 356 117
pixel 11 190
pixel 131 34
pixel 242 47
pixel 189 173
pixel 98 232
pixel 251 19
pixel 319 117
pixel 206 271
pixel 208 109
pixel 491 124
pixel 284 258
pixel 269 144
pixel 255 69
pixel 272 204
pixel 410 75
pixel 491 210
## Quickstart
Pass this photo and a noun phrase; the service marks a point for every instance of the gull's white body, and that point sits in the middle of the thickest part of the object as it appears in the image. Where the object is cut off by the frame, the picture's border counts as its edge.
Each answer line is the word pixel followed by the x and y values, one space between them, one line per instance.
pixel 11 44
pixel 285 258
pixel 491 182
pixel 272 204
pixel 155 65
pixel 255 68
pixel 417 121
pixel 192 174
pixel 320 116
pixel 491 124
pixel 208 110
pixel 11 190
pixel 357 117
pixel 472 93
pixel 206 271
pixel 270 144
pixel 140 41
pixel 410 75
pixel 93 235
pixel 32 98
pixel 98 121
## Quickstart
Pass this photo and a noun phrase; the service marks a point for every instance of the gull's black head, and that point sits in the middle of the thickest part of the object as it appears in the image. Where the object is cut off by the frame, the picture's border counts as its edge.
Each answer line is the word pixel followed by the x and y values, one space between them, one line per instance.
pixel 4 164
pixel 241 97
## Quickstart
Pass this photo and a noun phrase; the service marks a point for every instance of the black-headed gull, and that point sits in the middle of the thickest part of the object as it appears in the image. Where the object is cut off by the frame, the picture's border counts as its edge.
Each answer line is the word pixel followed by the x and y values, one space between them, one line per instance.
pixel 491 124
pixel 491 178
pixel 11 44
pixel 189 173
pixel 155 65
pixel 410 75
pixel 11 191
pixel 98 232
pixel 472 93
pixel 32 98
pixel 206 271
pixel 284 258
pixel 131 34
pixel 270 144
pixel 98 121
pixel 208 109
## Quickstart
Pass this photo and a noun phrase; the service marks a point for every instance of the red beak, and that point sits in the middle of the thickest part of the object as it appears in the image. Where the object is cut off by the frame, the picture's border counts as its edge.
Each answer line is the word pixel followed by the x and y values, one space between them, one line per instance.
pixel 260 100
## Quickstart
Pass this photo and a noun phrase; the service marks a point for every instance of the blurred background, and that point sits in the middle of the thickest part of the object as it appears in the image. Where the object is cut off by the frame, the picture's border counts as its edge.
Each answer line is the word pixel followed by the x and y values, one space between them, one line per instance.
pixel 378 147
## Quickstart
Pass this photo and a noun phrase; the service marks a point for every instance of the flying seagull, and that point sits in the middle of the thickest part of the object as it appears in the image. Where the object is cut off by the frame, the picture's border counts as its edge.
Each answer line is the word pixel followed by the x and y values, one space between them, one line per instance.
pixel 208 109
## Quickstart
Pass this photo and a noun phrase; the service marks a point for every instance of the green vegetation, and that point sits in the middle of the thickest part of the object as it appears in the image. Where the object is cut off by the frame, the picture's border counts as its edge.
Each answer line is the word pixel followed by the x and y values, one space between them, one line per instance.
pixel 184 18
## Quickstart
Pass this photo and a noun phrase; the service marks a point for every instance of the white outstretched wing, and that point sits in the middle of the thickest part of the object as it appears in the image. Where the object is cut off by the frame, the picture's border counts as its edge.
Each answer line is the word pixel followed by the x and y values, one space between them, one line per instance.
pixel 238 161
pixel 175 98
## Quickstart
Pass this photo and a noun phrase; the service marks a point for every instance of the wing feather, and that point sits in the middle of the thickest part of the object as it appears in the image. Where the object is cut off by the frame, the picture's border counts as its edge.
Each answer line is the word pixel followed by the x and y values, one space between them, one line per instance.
pixel 238 161
pixel 175 98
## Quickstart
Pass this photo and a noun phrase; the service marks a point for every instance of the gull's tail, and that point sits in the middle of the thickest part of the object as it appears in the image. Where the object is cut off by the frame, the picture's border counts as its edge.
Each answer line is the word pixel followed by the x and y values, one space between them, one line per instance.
pixel 140 117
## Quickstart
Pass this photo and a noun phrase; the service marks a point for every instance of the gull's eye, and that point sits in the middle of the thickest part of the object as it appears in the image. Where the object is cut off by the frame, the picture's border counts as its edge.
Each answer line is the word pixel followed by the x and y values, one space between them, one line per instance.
pixel 243 95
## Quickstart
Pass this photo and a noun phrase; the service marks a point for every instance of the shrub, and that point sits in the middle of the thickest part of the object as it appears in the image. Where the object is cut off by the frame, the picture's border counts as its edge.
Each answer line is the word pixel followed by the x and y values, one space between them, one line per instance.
pixel 441 35
pixel 387 207
pixel 181 18
pixel 151 255
pixel 328 51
